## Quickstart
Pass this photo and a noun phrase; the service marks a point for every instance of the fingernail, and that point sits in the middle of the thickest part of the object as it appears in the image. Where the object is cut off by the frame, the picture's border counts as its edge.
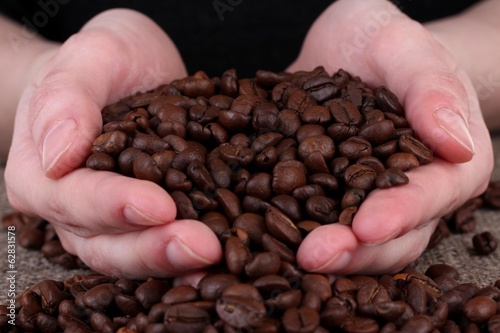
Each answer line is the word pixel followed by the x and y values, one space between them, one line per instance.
pixel 335 264
pixel 183 258
pixel 137 217
pixel 456 127
pixel 56 142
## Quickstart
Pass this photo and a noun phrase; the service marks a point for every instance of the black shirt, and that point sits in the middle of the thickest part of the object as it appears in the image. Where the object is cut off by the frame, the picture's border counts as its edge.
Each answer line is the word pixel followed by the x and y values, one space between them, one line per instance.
pixel 213 35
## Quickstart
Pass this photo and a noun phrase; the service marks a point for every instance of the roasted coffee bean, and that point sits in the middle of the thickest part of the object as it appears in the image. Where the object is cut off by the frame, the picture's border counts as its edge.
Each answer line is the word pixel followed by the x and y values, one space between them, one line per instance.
pixel 212 285
pixel 262 264
pixel 272 284
pixel 260 186
pixel 185 318
pixel 254 205
pixel 385 149
pixel 388 101
pixel 287 177
pixel 410 144
pixel 402 161
pixel 148 144
pixel 253 224
pixel 289 205
pixel 372 162
pixel 391 177
pixel 289 123
pixel 202 201
pixel 479 309
pixel 320 87
pixel 484 243
pixel 378 132
pixel 305 192
pixel 316 115
pixel 317 143
pixel 100 297
pixel 185 208
pixel 322 209
pixel 436 270
pixel 273 245
pixel 301 319
pixel 240 311
pixel 354 148
pixel 100 161
pixel 308 130
pixel 111 143
pixel 196 85
pixel 145 167
pixel 360 324
pixel 360 176
pixel 338 166
pixel 229 83
pixel 344 111
pixel 299 101
pixel 229 203
pixel 281 227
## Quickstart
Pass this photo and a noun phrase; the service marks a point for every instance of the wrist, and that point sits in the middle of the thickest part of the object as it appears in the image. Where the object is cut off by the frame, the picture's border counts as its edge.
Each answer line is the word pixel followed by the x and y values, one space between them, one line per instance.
pixel 21 57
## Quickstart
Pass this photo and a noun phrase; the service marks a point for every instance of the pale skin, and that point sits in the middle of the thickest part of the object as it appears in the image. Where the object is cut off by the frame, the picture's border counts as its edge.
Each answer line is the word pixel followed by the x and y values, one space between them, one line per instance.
pixel 53 95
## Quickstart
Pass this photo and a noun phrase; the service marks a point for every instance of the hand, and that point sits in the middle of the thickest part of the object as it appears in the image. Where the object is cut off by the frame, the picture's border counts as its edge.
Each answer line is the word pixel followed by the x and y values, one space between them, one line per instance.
pixel 116 225
pixel 375 41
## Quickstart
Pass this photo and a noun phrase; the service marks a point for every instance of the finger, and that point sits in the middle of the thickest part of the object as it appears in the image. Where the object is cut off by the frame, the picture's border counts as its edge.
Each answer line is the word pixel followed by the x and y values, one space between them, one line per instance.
pixel 88 202
pixel 174 249
pixel 116 54
pixel 335 249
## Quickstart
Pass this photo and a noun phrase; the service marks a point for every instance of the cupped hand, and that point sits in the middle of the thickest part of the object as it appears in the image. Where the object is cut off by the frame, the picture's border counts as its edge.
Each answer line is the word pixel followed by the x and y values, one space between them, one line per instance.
pixel 116 225
pixel 378 43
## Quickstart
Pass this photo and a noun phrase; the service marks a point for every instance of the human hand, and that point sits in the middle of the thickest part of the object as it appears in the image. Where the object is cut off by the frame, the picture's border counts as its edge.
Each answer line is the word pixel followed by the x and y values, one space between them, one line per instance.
pixel 116 225
pixel 378 43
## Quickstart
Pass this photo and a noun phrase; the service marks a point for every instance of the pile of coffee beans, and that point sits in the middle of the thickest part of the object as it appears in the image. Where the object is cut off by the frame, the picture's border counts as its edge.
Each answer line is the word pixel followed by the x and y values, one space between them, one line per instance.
pixel 290 301
pixel 299 149
pixel 262 162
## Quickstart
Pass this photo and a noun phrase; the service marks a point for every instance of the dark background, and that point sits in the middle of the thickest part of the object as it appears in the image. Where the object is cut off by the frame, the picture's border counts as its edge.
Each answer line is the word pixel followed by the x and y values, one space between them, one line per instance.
pixel 214 35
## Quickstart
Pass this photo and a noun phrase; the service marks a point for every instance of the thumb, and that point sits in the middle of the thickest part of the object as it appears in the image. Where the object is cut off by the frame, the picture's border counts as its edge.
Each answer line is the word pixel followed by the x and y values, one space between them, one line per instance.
pixel 117 53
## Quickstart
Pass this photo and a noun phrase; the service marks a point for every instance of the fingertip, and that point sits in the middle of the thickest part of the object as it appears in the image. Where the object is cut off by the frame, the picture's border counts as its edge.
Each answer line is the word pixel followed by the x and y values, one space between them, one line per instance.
pixel 326 249
pixel 193 246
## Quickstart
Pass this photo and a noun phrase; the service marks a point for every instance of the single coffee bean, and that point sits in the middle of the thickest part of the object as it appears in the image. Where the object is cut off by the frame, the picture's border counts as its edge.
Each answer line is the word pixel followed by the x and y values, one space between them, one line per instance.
pixel 344 111
pixel 360 176
pixel 237 255
pixel 411 145
pixel 101 161
pixel 281 227
pixel 253 224
pixel 111 143
pixel 354 148
pixel 322 209
pixel 273 245
pixel 185 208
pixel 301 319
pixel 484 243
pixel 388 101
pixel 262 264
pixel 391 177
pixel 479 309
pixel 145 167
pixel 378 132
pixel 240 311
pixel 402 161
